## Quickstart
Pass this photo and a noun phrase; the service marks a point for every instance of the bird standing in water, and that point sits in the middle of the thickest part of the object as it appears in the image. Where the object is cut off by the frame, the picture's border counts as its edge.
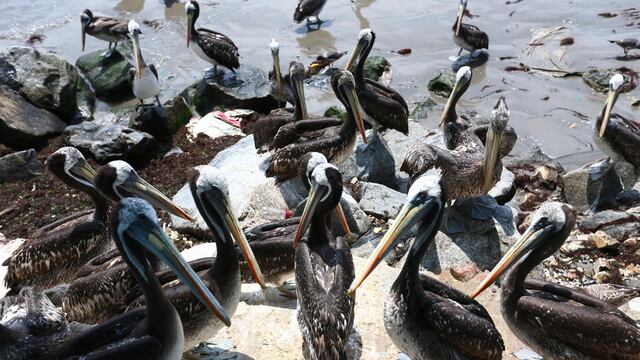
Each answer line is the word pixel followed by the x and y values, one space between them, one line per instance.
pixel 104 28
pixel 307 9
pixel 144 77
pixel 466 36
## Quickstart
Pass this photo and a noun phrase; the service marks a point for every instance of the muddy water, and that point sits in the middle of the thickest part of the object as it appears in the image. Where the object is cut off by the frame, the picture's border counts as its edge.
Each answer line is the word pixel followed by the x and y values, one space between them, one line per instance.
pixel 561 125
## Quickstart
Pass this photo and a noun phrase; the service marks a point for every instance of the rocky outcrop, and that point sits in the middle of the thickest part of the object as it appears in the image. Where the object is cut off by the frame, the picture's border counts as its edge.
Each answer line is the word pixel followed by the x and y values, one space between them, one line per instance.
pixel 109 76
pixel 22 165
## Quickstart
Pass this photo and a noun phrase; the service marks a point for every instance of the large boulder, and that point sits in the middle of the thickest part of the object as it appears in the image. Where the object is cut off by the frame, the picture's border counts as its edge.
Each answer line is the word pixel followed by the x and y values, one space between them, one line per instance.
pixel 109 75
pixel 45 80
pixel 107 141
pixel 22 165
pixel 400 144
pixel 23 125
pixel 248 88
pixel 593 187
pixel 372 162
pixel 378 200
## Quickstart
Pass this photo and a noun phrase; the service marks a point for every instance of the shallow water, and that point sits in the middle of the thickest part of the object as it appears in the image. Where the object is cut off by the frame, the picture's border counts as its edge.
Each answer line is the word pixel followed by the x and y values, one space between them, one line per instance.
pixel 422 25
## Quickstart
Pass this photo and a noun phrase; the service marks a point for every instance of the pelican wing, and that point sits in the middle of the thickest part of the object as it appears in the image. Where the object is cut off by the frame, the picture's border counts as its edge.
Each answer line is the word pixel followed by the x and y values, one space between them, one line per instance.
pixel 384 109
pixel 624 136
pixel 388 92
pixel 219 47
pixel 105 24
pixel 307 8
pixel 473 35
pixel 302 131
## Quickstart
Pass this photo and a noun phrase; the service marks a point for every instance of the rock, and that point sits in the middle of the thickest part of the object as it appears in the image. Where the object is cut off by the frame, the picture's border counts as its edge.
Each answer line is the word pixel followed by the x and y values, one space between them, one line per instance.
pixel 548 173
pixel 621 232
pixel 602 240
pixel 476 59
pixel 106 142
pixel 631 243
pixel 626 173
pixel 591 187
pixel 505 189
pixel 421 111
pixel 22 165
pixel 400 144
pixel 248 88
pixel 442 85
pixel 598 79
pixel 378 200
pixel 464 272
pixel 23 125
pixel 45 80
pixel 602 264
pixel 526 354
pixel 211 126
pixel 151 119
pixel 336 111
pixel 601 277
pixel 599 220
pixel 374 66
pixel 178 113
pixel 571 247
pixel 372 162
pixel 249 189
pixel 109 76
pixel 86 101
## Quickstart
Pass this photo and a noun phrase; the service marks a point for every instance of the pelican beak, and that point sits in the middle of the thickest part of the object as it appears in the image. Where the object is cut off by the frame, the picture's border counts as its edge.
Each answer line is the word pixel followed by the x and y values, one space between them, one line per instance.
pixel 84 37
pixel 158 243
pixel 83 172
pixel 461 10
pixel 354 103
pixel 316 194
pixel 138 187
pixel 298 85
pixel 611 100
pixel 189 25
pixel 409 215
pixel 450 101
pixel 355 54
pixel 535 234
pixel 137 54
pixel 343 222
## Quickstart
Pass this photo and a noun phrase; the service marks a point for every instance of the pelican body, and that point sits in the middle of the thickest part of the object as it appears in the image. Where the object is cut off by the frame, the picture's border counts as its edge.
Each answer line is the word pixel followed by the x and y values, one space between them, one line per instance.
pixel 616 136
pixel 466 36
pixel 627 44
pixel 211 46
pixel 156 332
pixel 428 319
pixel 307 9
pixel 143 77
pixel 104 28
pixel 384 107
pixel 323 270
pixel 555 321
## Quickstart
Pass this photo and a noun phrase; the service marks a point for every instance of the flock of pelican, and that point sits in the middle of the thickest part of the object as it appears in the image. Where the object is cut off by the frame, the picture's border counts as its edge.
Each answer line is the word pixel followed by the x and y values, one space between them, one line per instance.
pixel 119 289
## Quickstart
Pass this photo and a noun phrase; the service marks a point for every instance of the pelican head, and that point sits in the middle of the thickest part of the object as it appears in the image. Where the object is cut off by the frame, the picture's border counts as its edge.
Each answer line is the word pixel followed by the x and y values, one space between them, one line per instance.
pixel 192 9
pixel 364 39
pixel 461 9
pixel 346 85
pixel 211 194
pixel 499 120
pixel 616 84
pixel 550 227
pixel 463 80
pixel 134 34
pixel 136 228
pixel 85 21
pixel 297 74
pixel 424 205
pixel 118 180
pixel 69 161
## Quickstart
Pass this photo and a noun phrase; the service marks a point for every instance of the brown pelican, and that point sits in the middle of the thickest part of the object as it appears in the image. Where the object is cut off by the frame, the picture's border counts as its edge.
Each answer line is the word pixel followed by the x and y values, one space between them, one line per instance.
pixel 467 36
pixel 157 332
pixel 103 28
pixel 577 326
pixel 384 107
pixel 52 253
pixel 335 142
pixel 144 77
pixel 266 128
pixel 627 44
pixel 307 9
pixel 449 114
pixel 616 136
pixel 211 46
pixel 281 88
pixel 324 270
pixel 428 319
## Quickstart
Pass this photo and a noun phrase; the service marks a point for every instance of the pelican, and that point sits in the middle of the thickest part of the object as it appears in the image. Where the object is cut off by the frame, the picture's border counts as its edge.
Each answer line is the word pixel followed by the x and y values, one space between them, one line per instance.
pixel 558 322
pixel 616 136
pixel 466 36
pixel 428 319
pixel 384 107
pixel 144 77
pixel 266 128
pixel 449 114
pixel 335 143
pixel 281 88
pixel 323 270
pixel 157 330
pixel 627 44
pixel 307 9
pixel 103 28
pixel 211 46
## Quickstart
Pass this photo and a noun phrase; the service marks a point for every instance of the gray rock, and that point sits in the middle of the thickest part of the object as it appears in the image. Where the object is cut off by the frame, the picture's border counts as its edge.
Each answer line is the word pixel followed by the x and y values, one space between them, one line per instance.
pixel 626 173
pixel 599 220
pixel 107 141
pixel 442 85
pixel 592 187
pixel 505 189
pixel 109 76
pixel 86 101
pixel 22 165
pixel 248 88
pixel 622 232
pixel 477 58
pixel 421 111
pixel 45 80
pixel 151 119
pixel 178 113
pixel 23 125
pixel 372 162
pixel 378 200
pixel 400 144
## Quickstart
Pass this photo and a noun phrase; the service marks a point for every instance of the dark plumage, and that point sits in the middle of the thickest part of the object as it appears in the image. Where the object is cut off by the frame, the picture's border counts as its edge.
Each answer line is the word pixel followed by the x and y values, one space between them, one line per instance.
pixel 466 36
pixel 307 9
pixel 104 28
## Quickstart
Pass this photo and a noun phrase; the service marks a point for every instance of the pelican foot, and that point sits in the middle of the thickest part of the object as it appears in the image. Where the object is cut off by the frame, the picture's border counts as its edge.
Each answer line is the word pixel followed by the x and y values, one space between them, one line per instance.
pixel 288 289
pixel 210 351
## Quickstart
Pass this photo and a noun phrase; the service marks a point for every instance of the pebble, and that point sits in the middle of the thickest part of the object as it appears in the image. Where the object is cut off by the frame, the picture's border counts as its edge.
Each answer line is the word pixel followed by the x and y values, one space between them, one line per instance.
pixel 601 277
pixel 465 272
pixel 602 240
pixel 631 243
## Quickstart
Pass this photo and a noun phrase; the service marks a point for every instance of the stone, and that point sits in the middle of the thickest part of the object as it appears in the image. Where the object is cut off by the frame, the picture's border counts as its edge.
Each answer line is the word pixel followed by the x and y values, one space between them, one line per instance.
pixel 109 76
pixel 372 162
pixel 592 187
pixel 151 119
pixel 602 240
pixel 626 172
pixel 106 142
pixel 599 220
pixel 571 247
pixel 631 243
pixel 248 88
pixel 178 113
pixel 249 189
pixel 547 173
pixel 505 189
pixel 22 165
pixel 442 85
pixel 598 79
pixel 86 102
pixel 400 144
pixel 212 127
pixel 23 125
pixel 473 60
pixel 374 67
pixel 623 231
pixel 335 111
pixel 601 277
pixel 45 80
pixel 378 200
pixel 464 272
pixel 422 109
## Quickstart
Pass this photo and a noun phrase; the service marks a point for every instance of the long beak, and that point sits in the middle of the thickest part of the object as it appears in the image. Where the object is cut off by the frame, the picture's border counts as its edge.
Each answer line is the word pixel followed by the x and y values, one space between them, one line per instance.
pixel 450 103
pixel 354 103
pixel 461 10
pixel 343 222
pixel 315 195
pixel 406 218
pixel 84 37
pixel 160 245
pixel 491 149
pixel 142 189
pixel 276 67
pixel 611 100
pixel 527 241
pixel 137 55
pixel 355 54
pixel 299 85
pixel 189 25
pixel 85 171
